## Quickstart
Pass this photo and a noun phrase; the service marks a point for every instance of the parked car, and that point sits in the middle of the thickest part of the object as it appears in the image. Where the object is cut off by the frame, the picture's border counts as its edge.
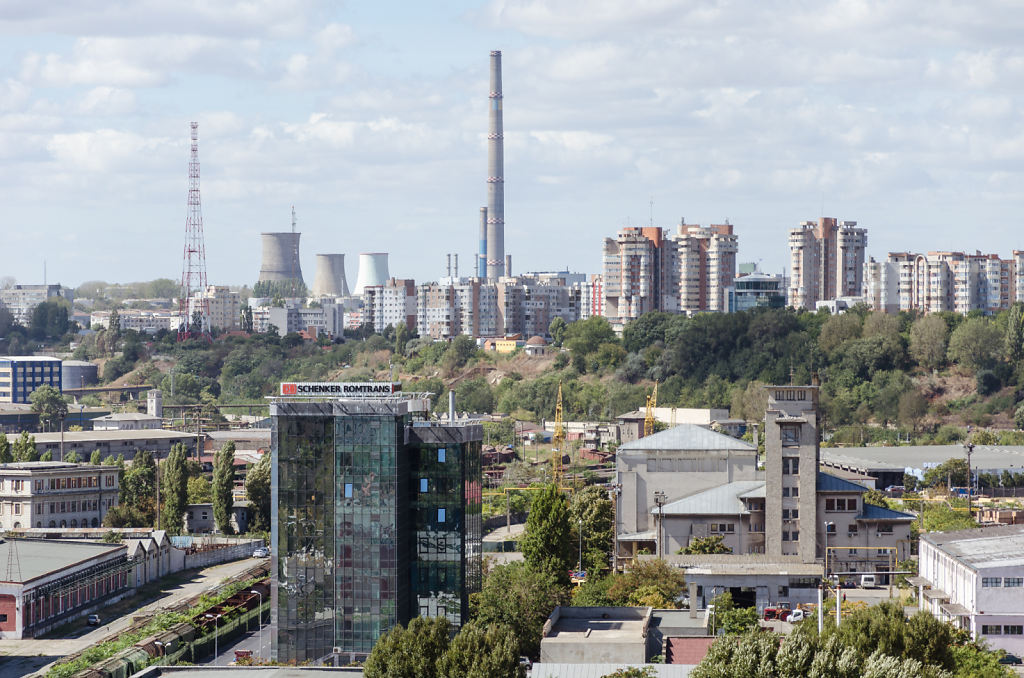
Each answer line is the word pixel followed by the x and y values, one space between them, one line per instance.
pixel 261 552
pixel 797 615
pixel 1010 659
pixel 93 620
pixel 867 581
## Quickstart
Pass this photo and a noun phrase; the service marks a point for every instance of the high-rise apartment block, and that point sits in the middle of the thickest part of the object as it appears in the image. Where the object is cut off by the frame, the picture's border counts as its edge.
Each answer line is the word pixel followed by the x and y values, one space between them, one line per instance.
pixel 942 281
pixel 649 269
pixel 376 516
pixel 707 266
pixel 391 304
pixel 826 261
pixel 225 307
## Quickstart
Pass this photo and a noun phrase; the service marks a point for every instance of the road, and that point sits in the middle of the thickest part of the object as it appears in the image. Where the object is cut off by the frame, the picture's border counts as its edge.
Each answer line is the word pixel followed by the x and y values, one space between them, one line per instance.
pixel 22 657
pixel 249 641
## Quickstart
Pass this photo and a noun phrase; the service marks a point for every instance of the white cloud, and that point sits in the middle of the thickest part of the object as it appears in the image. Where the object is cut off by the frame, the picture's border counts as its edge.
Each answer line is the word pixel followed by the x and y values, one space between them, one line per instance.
pixel 107 101
pixel 106 150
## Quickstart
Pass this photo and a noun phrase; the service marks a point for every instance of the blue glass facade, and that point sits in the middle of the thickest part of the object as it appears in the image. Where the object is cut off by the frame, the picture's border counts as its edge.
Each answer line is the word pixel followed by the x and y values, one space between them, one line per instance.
pixel 20 376
pixel 376 519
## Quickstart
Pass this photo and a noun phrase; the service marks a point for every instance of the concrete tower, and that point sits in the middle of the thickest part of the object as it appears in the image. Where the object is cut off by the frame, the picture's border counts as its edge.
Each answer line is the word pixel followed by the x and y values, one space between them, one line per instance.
pixel 280 257
pixel 495 177
pixel 330 276
pixel 373 271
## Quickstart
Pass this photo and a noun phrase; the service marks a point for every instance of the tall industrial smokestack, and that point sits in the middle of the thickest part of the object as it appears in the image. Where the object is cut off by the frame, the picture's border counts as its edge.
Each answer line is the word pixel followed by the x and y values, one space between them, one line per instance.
pixel 495 177
pixel 508 265
pixel 481 258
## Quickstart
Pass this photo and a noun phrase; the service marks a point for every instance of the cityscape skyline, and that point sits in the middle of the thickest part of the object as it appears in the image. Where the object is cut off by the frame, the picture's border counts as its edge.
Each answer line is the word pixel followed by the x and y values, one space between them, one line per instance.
pixel 373 123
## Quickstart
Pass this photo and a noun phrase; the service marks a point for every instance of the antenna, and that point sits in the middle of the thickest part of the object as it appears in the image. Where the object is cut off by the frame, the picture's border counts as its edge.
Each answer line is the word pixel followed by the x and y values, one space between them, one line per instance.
pixel 293 218
pixel 295 254
pixel 193 271
pixel 652 211
pixel 44 272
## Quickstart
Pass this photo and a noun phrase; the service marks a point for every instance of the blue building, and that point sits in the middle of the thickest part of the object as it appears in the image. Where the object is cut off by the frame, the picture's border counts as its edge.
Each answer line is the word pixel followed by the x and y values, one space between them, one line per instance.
pixel 20 375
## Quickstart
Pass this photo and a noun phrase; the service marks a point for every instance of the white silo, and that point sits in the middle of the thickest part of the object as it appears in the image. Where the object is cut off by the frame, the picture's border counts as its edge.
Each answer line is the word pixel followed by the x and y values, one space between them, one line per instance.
pixel 373 271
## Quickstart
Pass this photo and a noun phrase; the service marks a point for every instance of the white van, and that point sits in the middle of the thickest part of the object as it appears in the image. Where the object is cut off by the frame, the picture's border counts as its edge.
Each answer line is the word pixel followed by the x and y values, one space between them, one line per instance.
pixel 867 581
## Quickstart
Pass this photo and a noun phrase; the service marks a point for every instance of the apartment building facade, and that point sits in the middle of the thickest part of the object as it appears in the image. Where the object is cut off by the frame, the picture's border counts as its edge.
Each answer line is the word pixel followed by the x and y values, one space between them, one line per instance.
pixel 21 300
pixel 56 494
pixel 707 266
pixel 391 304
pixel 942 281
pixel 826 261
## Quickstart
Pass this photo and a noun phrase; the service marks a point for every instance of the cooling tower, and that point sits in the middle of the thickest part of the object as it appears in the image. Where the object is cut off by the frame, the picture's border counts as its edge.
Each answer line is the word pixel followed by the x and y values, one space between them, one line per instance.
pixel 280 257
pixel 330 276
pixel 373 271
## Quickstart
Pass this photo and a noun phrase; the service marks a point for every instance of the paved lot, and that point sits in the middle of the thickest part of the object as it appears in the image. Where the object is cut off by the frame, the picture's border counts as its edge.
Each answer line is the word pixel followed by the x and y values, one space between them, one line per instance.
pixel 22 657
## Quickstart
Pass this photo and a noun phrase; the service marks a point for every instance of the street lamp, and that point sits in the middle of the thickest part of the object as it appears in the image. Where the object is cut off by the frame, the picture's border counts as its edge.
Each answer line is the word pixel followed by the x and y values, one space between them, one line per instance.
pixel 828 524
pixel 216 634
pixel 579 566
pixel 969 446
pixel 659 499
pixel 259 619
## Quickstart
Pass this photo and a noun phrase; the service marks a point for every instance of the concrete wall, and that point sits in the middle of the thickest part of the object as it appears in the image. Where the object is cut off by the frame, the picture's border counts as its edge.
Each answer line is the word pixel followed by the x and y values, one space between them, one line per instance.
pixel 242 549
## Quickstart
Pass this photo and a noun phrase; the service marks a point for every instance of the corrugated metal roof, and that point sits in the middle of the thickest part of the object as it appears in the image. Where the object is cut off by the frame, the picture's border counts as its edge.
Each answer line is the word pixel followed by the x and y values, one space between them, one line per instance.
pixel 920 457
pixel 829 483
pixel 872 512
pixel 998 546
pixel 721 500
pixel 687 437
pixel 548 670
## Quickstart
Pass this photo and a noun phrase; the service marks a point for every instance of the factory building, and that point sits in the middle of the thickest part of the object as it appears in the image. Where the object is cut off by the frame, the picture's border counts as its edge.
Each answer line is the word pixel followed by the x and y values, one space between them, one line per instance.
pixel 376 516
pixel 83 443
pixel 20 375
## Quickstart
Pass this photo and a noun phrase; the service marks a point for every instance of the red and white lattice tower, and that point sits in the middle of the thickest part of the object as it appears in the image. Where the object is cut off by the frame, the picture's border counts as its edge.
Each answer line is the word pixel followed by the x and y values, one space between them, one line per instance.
pixel 193 271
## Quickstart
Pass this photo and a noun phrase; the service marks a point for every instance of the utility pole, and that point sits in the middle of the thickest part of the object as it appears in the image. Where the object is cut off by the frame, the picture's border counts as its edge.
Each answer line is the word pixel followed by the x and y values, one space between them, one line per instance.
pixel 659 499
pixel 969 446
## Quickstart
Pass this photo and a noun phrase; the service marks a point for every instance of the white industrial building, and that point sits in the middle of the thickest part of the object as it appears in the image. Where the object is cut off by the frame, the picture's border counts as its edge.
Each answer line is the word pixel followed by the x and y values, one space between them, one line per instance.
pixel 975 579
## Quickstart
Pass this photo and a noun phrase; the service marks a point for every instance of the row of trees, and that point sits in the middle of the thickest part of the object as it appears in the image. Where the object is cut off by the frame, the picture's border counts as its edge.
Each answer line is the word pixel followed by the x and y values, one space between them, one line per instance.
pixel 876 642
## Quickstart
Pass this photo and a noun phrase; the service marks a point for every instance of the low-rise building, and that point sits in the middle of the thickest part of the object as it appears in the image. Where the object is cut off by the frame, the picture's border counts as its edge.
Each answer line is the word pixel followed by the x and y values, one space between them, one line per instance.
pixel 975 580
pixel 18 417
pixel 54 582
pixel 20 375
pixel 115 443
pixel 199 518
pixel 54 494
pixel 127 421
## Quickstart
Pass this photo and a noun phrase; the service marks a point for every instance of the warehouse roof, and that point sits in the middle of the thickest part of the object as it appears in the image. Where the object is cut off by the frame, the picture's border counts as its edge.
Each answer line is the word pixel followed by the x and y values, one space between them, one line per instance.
pixel 687 437
pixel 106 436
pixel 998 546
pixel 921 457
pixel 38 557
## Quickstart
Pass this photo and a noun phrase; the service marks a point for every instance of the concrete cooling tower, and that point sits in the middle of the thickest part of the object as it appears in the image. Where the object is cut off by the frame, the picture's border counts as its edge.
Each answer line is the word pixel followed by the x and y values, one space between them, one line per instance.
pixel 373 270
pixel 330 276
pixel 280 257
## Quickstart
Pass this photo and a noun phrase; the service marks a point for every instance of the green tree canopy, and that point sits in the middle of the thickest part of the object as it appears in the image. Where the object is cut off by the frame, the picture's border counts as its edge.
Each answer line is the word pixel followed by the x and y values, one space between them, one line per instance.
pixel 174 490
pixel 704 545
pixel 223 487
pixel 24 448
pixel 413 651
pixel 592 507
pixel 975 344
pixel 49 404
pixel 96 458
pixel 548 543
pixel 481 652
pixel 6 456
pixel 520 598
pixel 667 580
pixel 928 337
pixel 199 490
pixel 257 489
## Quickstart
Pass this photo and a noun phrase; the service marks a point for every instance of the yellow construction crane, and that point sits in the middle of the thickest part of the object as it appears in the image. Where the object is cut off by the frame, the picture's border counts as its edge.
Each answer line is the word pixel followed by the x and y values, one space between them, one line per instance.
pixel 652 402
pixel 557 440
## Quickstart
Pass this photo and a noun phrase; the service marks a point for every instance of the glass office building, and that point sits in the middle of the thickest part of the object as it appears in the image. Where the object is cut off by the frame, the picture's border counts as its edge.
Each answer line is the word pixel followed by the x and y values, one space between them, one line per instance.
pixel 376 518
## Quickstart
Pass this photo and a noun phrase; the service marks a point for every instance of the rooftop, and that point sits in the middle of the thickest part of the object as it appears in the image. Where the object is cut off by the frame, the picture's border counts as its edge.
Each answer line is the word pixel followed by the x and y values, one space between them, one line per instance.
pixel 998 546
pixel 872 512
pixel 745 564
pixel 248 671
pixel 547 670
pixel 47 466
pixel 830 483
pixel 724 500
pixel 104 436
pixel 30 358
pixel 597 624
pixel 921 457
pixel 687 437
pixel 40 557
pixel 127 416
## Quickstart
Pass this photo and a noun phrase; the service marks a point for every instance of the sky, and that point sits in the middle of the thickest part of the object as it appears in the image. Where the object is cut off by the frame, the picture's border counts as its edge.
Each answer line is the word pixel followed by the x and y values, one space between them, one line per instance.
pixel 370 118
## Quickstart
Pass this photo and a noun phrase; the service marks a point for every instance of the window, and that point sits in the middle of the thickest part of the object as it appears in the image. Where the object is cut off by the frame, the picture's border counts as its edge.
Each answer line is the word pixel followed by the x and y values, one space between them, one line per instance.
pixel 790 514
pixel 852 529
pixel 885 529
pixel 1013 630
pixel 728 528
pixel 785 536
pixel 991 582
pixel 3 617
pixel 991 630
pixel 1013 582
pixel 440 455
pixel 17 509
pixel 441 515
pixel 348 490
pixel 424 485
pixel 794 492
pixel 790 434
pixel 796 535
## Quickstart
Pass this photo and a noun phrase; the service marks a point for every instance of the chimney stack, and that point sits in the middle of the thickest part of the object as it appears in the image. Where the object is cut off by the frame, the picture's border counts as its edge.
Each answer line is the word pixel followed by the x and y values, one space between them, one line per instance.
pixel 495 176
